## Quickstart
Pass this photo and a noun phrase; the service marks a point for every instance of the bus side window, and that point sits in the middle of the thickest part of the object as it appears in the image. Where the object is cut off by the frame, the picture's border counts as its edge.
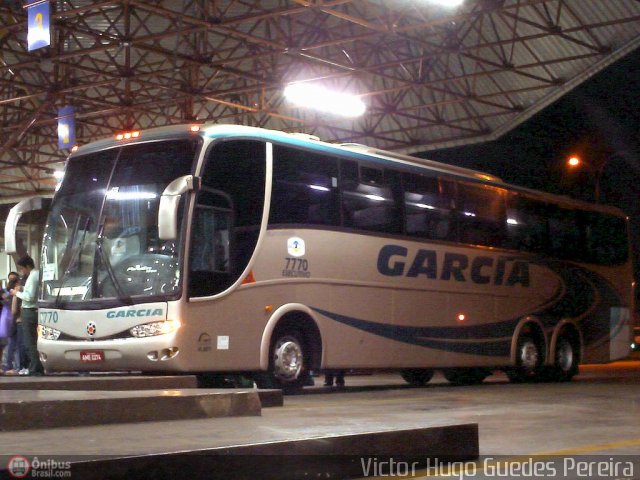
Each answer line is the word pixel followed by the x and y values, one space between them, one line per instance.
pixel 210 260
pixel 526 224
pixel 369 198
pixel 566 234
pixel 481 215
pixel 607 242
pixel 428 201
pixel 305 188
pixel 228 214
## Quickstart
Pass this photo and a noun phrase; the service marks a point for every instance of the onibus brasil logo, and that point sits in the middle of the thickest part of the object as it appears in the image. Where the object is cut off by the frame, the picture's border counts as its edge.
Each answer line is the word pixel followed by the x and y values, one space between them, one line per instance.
pixel 20 466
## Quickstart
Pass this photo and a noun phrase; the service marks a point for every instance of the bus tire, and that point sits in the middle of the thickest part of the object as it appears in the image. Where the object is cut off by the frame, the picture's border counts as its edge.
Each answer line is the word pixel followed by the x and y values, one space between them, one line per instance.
pixel 466 376
pixel 529 359
pixel 418 377
pixel 288 367
pixel 566 358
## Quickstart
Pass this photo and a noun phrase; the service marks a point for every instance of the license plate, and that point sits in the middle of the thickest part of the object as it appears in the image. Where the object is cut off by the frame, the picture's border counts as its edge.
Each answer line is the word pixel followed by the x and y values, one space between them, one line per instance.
pixel 93 356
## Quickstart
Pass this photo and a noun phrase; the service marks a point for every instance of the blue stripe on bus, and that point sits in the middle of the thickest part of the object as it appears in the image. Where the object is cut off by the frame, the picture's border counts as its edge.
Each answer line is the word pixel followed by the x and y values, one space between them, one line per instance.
pixel 414 336
pixel 584 291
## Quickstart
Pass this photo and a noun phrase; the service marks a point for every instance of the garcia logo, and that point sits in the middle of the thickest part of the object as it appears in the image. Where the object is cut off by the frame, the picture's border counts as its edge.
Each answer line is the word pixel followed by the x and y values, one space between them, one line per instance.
pixel 454 266
pixel 143 312
pixel 296 247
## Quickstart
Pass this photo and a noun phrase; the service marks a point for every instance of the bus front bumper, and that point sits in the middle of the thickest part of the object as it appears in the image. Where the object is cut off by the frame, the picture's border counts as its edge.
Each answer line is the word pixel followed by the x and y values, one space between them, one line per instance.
pixel 159 353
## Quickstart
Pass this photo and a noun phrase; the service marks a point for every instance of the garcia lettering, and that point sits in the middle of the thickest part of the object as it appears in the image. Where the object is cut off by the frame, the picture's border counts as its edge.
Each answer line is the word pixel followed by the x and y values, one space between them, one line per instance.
pixel 143 312
pixel 394 261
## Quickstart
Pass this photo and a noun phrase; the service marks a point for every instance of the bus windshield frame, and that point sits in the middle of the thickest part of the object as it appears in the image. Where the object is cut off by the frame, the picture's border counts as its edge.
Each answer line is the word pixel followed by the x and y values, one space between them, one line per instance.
pixel 101 247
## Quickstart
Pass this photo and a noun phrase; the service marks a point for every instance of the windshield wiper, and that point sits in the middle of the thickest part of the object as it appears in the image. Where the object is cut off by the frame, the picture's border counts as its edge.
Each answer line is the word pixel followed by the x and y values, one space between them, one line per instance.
pixel 73 259
pixel 109 268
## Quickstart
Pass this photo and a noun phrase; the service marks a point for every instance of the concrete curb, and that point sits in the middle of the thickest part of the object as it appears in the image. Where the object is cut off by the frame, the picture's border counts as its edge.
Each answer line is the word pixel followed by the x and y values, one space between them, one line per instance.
pixel 28 410
pixel 327 457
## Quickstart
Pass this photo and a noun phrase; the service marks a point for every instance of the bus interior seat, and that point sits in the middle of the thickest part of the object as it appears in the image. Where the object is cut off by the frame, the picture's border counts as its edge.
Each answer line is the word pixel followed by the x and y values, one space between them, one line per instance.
pixel 427 225
pixel 122 247
pixel 373 217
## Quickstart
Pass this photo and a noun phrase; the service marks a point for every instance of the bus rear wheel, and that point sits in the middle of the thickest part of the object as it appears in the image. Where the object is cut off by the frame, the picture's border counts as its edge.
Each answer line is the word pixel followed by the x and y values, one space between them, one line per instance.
pixel 528 361
pixel 466 376
pixel 287 363
pixel 418 377
pixel 565 363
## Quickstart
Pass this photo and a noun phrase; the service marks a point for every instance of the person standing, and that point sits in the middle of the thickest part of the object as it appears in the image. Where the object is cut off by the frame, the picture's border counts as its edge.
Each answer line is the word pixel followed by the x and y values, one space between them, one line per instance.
pixel 8 328
pixel 339 378
pixel 29 295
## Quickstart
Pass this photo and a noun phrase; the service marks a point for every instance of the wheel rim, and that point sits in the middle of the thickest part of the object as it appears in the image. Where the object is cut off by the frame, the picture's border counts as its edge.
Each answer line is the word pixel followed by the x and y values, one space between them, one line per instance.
pixel 287 359
pixel 529 355
pixel 564 356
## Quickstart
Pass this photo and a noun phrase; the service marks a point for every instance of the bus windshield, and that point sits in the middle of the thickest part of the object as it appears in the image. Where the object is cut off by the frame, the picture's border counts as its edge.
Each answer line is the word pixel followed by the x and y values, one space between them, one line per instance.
pixel 101 240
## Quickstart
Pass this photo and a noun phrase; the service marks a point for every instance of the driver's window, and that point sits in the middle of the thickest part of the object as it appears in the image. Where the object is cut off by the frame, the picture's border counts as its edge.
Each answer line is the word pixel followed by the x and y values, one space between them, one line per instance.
pixel 210 256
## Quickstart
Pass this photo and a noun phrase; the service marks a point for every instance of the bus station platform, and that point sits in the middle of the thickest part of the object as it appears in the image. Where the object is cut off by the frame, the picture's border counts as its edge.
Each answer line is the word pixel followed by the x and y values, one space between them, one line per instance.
pixel 98 424
pixel 120 383
pixel 236 448
pixel 97 382
pixel 38 409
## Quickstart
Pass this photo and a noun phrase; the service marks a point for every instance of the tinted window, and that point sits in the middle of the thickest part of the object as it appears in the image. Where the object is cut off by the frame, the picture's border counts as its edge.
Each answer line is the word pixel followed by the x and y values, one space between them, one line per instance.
pixel 237 168
pixel 88 173
pixel 481 214
pixel 527 224
pixel 170 160
pixel 210 259
pixel 305 188
pixel 565 234
pixel 227 217
pixel 369 198
pixel 606 238
pixel 428 202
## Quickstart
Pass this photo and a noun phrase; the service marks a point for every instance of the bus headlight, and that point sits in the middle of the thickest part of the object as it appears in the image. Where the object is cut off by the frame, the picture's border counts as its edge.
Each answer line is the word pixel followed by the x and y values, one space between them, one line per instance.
pixel 48 333
pixel 155 328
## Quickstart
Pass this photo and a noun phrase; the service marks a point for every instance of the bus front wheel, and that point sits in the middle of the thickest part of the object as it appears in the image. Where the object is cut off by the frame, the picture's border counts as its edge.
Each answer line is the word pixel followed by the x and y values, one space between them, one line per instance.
pixel 417 377
pixel 287 363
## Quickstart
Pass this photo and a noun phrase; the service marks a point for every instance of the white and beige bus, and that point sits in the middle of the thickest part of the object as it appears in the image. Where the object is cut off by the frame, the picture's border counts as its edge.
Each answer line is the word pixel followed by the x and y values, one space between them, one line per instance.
pixel 233 249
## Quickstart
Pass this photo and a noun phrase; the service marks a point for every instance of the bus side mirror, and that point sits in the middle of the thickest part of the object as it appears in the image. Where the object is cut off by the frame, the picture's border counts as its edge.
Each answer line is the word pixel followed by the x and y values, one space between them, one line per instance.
pixel 168 211
pixel 27 205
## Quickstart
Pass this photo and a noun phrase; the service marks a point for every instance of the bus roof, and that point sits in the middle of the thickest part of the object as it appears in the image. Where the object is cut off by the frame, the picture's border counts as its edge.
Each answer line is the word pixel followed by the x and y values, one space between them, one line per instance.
pixel 356 151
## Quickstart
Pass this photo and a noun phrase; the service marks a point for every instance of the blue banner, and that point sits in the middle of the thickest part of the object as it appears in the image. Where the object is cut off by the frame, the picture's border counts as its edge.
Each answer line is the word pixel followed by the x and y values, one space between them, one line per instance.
pixel 66 127
pixel 39 21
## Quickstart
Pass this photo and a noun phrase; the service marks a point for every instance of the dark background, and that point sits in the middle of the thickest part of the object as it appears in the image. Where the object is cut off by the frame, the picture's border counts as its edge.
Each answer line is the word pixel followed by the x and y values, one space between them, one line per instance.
pixel 599 121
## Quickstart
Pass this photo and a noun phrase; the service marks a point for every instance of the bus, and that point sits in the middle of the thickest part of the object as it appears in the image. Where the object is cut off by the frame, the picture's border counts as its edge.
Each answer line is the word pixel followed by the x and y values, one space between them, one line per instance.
pixel 220 249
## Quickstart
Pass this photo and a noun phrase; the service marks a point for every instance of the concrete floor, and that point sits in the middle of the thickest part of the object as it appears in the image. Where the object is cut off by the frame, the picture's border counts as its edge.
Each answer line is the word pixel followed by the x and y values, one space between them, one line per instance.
pixel 597 413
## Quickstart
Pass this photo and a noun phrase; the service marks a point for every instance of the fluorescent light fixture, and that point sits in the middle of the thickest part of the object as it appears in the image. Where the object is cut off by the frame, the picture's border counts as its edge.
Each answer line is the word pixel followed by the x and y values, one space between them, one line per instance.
pixel 447 3
pixel 512 221
pixel 319 98
pixel 116 195
pixel 320 188
pixel 375 198
pixel 424 205
pixel 469 214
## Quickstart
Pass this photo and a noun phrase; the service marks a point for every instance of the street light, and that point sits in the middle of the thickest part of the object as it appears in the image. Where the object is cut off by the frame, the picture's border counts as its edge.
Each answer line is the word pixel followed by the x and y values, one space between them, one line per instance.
pixel 574 161
pixel 596 170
